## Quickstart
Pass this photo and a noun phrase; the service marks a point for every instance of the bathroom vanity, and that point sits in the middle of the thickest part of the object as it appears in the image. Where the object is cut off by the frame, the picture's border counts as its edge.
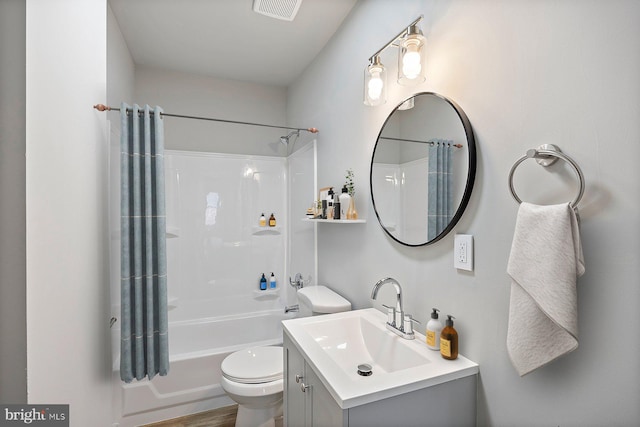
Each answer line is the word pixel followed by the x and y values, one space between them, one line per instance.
pixel 408 384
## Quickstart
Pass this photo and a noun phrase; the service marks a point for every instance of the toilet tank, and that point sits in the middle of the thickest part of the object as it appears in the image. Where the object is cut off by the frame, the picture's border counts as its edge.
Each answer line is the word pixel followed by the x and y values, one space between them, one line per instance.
pixel 315 300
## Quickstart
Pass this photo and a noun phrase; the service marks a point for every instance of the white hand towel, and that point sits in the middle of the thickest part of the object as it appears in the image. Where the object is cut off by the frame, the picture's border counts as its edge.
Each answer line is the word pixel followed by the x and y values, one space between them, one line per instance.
pixel 544 264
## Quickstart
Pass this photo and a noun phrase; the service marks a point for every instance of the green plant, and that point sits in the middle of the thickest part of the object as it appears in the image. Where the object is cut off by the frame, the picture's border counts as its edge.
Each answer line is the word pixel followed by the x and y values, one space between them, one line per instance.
pixel 349 183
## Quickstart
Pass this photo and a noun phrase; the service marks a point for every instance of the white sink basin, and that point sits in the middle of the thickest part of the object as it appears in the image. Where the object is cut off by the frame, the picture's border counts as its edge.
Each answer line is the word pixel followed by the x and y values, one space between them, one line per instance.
pixel 336 344
pixel 355 340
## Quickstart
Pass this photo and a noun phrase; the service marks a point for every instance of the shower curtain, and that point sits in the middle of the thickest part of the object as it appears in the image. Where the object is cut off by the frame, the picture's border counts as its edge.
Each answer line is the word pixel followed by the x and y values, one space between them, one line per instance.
pixel 440 187
pixel 144 350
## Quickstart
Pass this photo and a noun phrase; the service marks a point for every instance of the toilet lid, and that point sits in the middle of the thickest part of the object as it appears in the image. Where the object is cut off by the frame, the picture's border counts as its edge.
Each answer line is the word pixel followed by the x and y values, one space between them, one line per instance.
pixel 253 366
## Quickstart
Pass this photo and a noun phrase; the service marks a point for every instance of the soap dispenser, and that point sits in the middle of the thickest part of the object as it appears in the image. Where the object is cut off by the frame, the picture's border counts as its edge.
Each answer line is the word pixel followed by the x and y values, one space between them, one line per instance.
pixel 345 201
pixel 434 329
pixel 272 281
pixel 449 340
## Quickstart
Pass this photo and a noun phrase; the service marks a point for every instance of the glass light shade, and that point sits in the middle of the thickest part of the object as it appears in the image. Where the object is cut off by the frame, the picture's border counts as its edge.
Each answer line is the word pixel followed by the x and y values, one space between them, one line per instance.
pixel 375 83
pixel 411 58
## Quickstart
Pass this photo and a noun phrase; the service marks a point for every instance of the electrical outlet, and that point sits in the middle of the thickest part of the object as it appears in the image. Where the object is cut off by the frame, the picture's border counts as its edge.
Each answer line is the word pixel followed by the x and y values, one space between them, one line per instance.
pixel 463 252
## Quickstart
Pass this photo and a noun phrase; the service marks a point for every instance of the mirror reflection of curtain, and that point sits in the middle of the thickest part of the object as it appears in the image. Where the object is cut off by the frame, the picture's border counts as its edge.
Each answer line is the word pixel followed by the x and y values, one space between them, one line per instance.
pixel 440 187
pixel 144 349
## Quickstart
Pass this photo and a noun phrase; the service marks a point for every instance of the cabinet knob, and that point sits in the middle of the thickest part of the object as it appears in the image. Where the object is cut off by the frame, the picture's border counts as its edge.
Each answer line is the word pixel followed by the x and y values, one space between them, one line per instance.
pixel 299 378
pixel 304 387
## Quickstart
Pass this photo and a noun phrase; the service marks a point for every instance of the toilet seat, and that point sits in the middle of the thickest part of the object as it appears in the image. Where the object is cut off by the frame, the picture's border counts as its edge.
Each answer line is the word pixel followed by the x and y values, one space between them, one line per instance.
pixel 256 365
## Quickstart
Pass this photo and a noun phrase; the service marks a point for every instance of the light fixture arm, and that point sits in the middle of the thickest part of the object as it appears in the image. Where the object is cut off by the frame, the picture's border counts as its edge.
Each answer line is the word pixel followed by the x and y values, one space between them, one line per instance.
pixel 401 34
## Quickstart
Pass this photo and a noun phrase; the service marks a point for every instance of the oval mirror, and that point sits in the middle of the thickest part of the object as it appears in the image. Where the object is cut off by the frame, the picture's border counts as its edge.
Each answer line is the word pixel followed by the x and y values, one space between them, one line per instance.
pixel 422 169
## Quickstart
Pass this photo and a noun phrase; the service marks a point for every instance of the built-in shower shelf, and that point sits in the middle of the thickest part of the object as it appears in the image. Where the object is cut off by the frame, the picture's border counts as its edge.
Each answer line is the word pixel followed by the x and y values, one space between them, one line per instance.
pixel 336 221
pixel 266 231
pixel 172 232
pixel 266 294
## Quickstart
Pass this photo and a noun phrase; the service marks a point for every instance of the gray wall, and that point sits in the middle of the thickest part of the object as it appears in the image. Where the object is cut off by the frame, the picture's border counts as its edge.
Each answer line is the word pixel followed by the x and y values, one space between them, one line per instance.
pixel 13 333
pixel 526 73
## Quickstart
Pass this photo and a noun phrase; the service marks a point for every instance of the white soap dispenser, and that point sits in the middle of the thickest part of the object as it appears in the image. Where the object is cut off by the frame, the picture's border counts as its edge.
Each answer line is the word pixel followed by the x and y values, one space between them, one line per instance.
pixel 345 201
pixel 272 282
pixel 434 328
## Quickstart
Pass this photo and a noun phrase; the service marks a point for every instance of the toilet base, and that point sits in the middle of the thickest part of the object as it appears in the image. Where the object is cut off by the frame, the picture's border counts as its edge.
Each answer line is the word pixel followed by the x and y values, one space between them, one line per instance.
pixel 259 417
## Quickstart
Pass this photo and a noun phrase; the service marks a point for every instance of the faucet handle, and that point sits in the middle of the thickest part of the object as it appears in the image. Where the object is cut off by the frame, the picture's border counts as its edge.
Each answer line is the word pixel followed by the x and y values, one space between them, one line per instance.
pixel 408 323
pixel 391 314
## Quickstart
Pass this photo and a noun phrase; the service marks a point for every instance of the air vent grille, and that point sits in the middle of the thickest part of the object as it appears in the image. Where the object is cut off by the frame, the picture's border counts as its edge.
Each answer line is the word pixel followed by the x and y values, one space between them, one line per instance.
pixel 279 9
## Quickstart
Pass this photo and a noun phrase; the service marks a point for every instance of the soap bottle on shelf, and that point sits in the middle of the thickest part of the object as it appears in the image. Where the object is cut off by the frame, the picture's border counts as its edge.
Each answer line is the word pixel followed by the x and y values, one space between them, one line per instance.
pixel 263 283
pixel 272 221
pixel 434 329
pixel 330 203
pixel 345 201
pixel 449 340
pixel 263 221
pixel 272 281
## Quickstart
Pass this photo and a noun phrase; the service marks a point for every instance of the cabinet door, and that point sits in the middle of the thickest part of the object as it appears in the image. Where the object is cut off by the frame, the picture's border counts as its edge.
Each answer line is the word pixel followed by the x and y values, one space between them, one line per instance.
pixel 324 411
pixel 294 398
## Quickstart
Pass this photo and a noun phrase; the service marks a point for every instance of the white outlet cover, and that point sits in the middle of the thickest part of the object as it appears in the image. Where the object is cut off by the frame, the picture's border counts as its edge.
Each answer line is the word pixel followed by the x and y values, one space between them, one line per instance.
pixel 463 252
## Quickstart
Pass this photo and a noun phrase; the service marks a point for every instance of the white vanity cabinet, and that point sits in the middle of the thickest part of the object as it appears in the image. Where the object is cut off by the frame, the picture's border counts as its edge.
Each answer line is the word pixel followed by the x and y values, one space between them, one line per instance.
pixel 309 403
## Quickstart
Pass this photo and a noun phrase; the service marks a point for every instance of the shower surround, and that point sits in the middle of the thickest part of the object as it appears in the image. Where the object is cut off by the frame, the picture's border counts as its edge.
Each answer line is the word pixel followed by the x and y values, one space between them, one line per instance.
pixel 216 253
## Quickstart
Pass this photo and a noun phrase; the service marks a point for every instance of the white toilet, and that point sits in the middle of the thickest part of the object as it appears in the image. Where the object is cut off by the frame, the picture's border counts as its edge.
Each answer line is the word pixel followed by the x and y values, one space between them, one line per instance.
pixel 253 378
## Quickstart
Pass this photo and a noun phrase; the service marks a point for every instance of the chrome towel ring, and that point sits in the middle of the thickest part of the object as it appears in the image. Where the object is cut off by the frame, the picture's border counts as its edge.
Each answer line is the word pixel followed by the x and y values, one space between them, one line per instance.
pixel 547 155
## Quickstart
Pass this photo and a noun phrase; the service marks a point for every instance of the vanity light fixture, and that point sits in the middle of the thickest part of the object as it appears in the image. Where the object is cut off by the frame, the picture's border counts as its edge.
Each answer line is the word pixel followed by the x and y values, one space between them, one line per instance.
pixel 411 67
pixel 375 83
pixel 411 57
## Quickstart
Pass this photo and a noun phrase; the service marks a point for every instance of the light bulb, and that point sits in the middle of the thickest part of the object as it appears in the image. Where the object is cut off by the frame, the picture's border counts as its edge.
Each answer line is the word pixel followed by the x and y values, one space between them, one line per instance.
pixel 375 85
pixel 411 63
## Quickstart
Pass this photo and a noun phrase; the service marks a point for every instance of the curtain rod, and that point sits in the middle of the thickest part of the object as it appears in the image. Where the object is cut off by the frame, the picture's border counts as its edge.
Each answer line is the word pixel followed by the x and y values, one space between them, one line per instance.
pixel 415 140
pixel 102 107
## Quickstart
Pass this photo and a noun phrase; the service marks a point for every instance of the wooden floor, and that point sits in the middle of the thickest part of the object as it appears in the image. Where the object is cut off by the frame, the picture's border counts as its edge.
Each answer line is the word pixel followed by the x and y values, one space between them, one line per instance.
pixel 222 417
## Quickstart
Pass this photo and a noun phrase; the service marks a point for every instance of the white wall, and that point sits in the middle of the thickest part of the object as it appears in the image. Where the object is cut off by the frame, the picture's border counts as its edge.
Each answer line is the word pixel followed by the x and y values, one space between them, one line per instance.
pixel 13 325
pixel 203 96
pixel 66 196
pixel 525 73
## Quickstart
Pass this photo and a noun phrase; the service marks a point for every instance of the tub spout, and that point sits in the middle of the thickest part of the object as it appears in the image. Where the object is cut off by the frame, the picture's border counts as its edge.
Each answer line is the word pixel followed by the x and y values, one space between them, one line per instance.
pixel 295 308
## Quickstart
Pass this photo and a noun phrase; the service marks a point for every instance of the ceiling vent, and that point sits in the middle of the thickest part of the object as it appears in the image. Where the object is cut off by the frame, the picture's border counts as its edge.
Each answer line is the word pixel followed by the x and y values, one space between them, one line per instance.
pixel 279 9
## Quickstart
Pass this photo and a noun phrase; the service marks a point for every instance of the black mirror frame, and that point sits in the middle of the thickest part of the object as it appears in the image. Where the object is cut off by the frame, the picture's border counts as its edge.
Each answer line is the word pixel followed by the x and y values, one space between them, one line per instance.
pixel 471 174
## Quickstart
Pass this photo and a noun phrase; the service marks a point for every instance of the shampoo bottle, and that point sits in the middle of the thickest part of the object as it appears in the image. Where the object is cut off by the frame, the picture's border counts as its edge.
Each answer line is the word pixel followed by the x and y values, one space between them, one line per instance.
pixel 263 221
pixel 330 204
pixel 263 283
pixel 345 201
pixel 449 340
pixel 272 281
pixel 434 329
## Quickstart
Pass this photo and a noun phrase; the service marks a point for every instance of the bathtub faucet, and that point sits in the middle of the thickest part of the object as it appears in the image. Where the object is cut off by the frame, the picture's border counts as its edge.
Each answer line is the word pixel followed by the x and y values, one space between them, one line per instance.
pixel 295 308
pixel 298 281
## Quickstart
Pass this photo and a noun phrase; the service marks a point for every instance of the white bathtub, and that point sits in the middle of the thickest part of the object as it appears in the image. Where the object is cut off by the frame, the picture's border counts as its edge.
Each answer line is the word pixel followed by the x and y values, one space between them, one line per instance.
pixel 196 350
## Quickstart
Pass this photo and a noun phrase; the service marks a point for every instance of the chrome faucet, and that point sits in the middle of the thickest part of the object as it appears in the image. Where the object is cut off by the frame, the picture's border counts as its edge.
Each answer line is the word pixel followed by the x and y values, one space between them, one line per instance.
pixel 298 282
pixel 292 308
pixel 397 322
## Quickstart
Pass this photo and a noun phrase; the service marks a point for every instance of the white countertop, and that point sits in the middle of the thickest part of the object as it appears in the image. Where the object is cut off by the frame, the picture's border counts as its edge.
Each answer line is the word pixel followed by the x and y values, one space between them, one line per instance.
pixel 335 359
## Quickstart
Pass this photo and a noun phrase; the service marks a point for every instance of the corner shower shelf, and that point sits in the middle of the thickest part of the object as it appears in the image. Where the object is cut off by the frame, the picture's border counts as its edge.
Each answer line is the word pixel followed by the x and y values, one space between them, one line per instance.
pixel 266 294
pixel 336 221
pixel 264 231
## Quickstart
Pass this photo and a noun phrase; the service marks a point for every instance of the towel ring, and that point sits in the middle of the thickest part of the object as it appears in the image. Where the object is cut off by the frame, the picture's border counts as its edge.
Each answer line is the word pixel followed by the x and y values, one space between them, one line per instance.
pixel 546 155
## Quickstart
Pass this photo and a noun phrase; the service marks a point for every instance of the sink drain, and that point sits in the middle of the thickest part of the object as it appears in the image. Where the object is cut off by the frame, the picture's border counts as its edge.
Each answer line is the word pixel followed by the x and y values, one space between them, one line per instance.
pixel 364 370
